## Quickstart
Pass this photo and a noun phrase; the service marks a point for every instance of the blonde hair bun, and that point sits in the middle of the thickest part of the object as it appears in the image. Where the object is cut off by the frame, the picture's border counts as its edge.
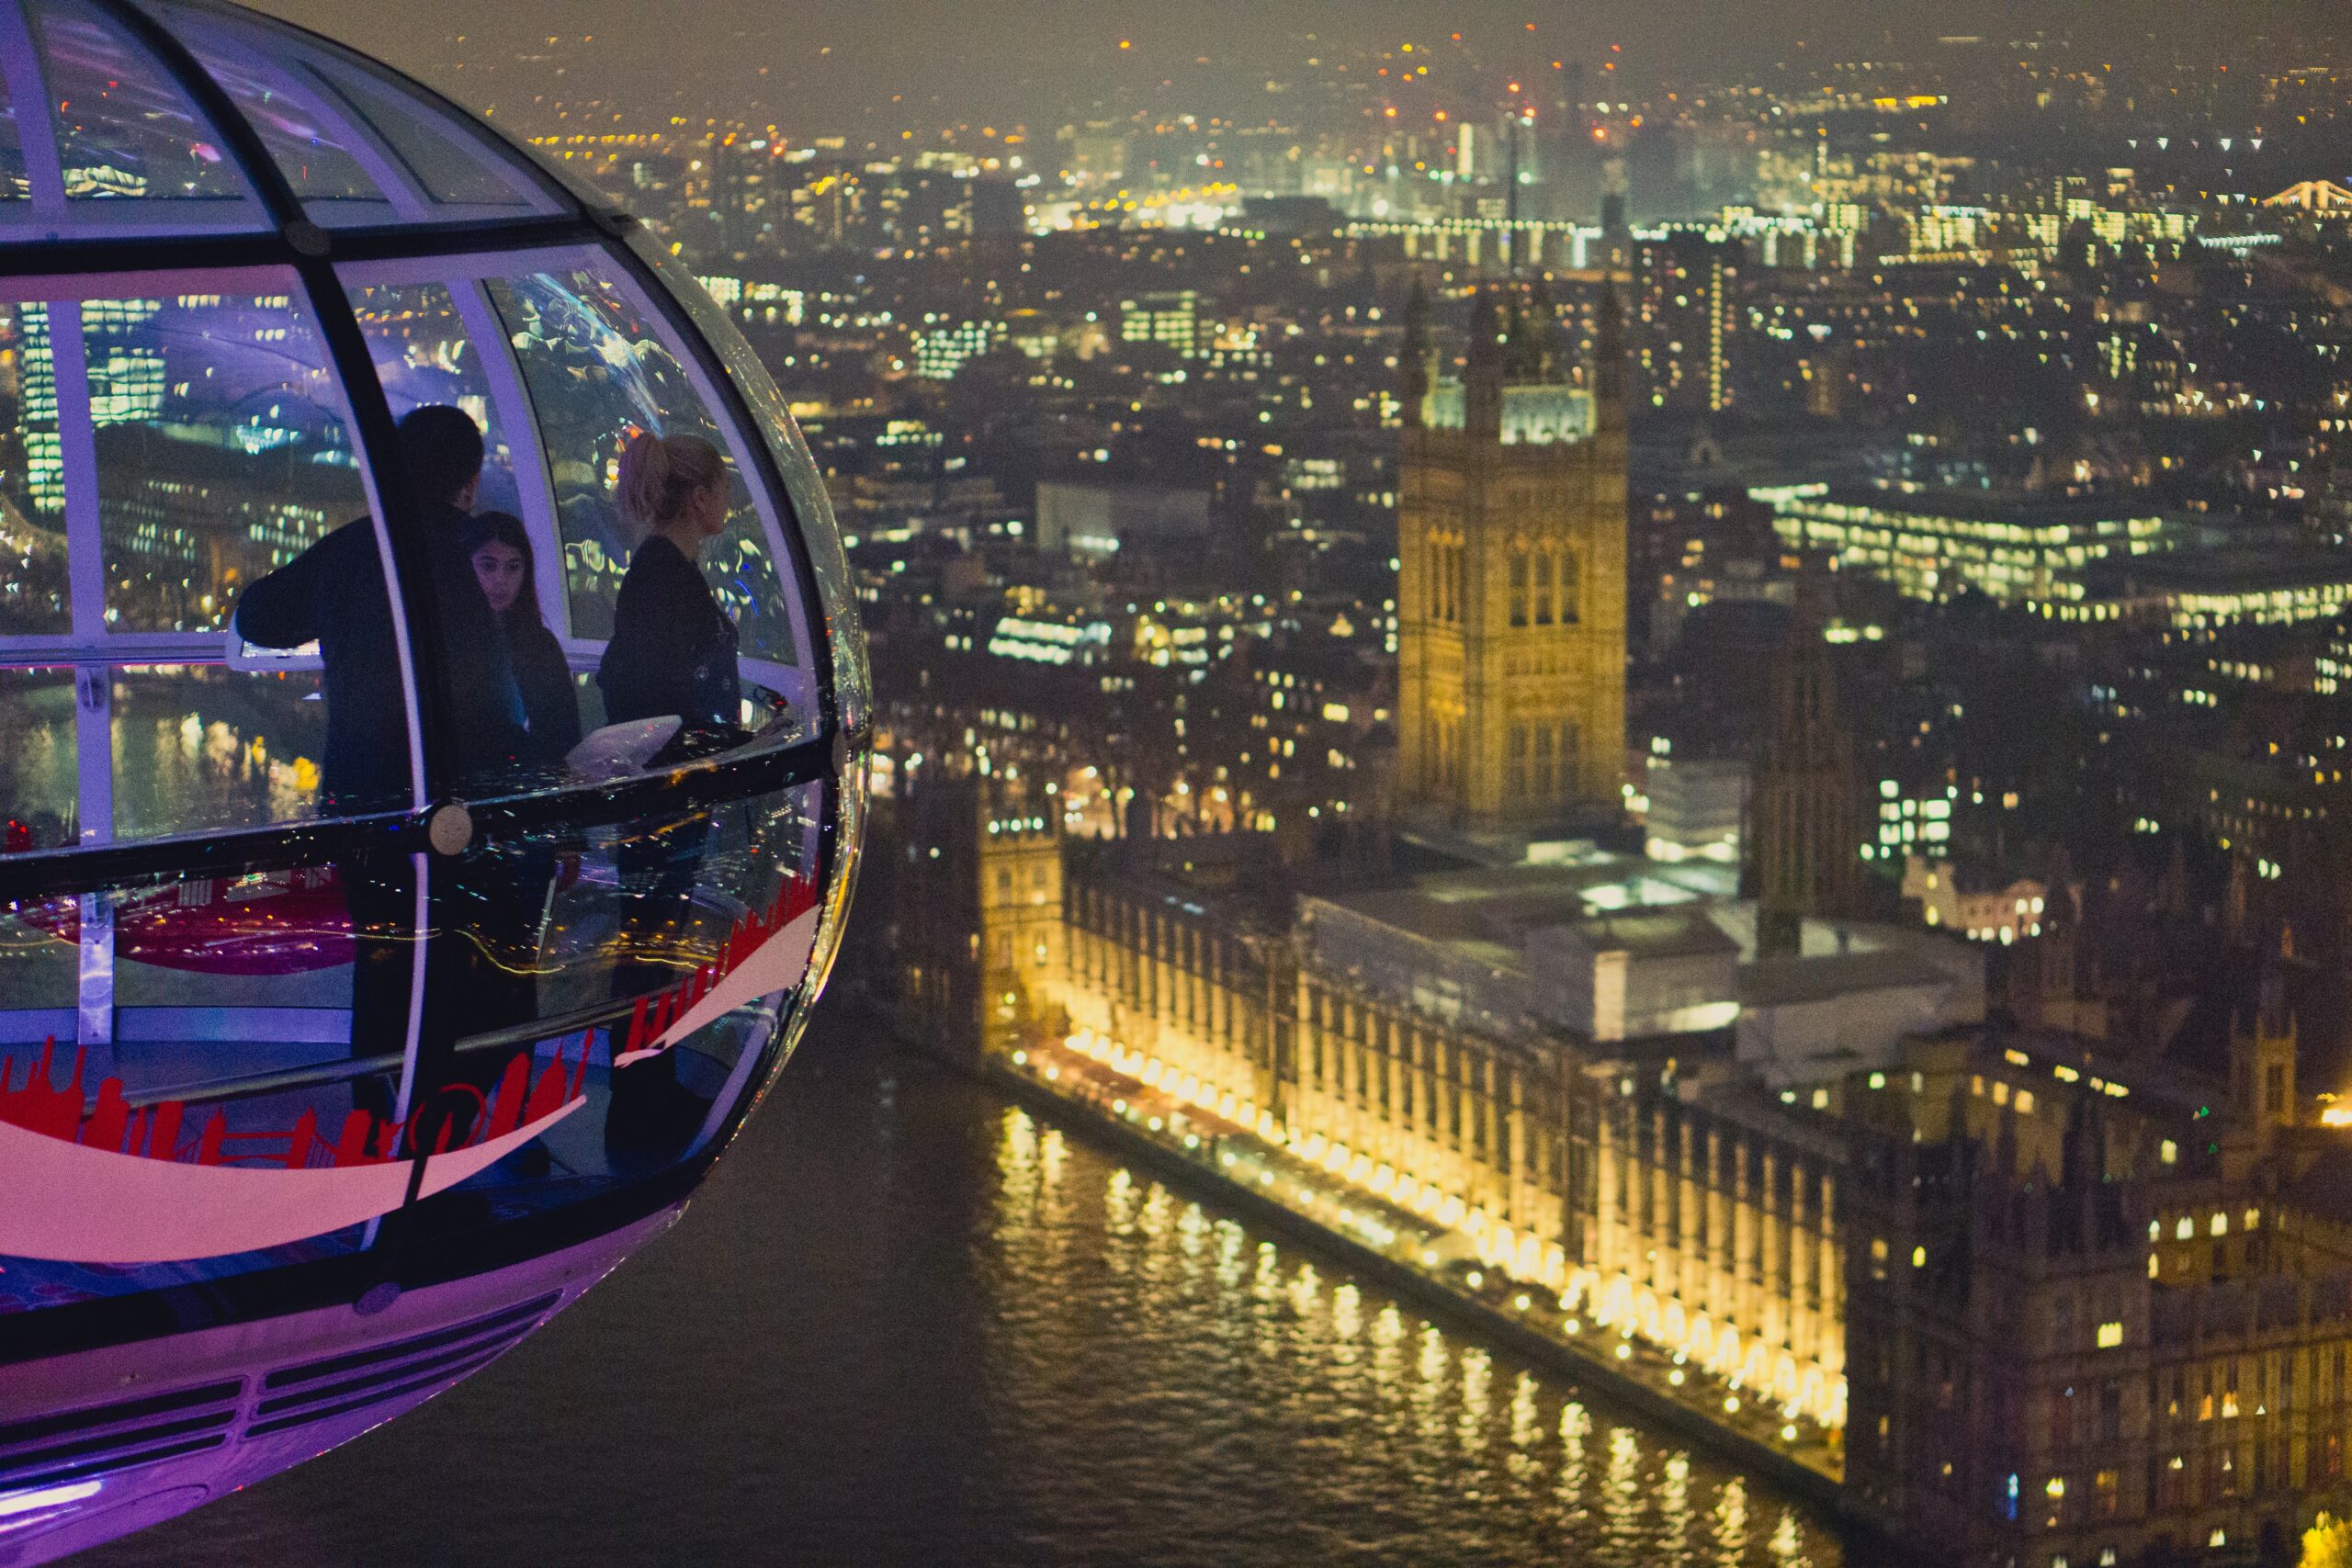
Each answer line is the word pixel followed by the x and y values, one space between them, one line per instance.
pixel 659 474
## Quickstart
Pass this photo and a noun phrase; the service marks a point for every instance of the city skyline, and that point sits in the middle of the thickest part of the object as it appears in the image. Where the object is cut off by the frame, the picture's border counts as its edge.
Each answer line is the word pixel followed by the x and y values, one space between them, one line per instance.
pixel 839 68
pixel 1682 690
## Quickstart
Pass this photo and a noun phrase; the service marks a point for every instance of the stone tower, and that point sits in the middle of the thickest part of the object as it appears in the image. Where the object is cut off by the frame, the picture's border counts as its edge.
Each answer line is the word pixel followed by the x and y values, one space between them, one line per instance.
pixel 1805 828
pixel 1511 588
pixel 2262 1060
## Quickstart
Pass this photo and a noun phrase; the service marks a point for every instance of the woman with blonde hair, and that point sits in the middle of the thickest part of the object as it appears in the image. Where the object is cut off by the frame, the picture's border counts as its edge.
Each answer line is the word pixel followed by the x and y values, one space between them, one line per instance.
pixel 672 649
pixel 672 653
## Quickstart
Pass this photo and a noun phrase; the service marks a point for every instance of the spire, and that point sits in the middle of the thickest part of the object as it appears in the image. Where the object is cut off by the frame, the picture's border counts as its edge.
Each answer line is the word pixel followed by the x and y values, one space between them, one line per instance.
pixel 1524 360
pixel 1413 357
pixel 1482 375
pixel 1543 328
pixel 1609 362
pixel 1804 828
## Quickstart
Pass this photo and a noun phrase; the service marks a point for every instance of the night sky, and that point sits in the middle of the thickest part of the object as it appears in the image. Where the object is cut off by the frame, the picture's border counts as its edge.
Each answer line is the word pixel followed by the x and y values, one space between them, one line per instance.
pixel 851 66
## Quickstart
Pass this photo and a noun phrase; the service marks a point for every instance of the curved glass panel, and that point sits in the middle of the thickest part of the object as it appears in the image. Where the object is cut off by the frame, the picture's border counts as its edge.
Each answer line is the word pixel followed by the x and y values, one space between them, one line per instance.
pixel 199 639
pixel 622 985
pixel 424 355
pixel 178 455
pixel 124 129
pixel 455 164
pixel 309 147
pixel 600 370
pixel 36 589
pixel 16 179
pixel 221 448
pixel 37 769
pixel 812 509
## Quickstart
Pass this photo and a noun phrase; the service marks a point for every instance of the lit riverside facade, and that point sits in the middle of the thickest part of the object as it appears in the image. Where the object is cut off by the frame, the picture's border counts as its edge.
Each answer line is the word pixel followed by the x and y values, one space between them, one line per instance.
pixel 2045 1304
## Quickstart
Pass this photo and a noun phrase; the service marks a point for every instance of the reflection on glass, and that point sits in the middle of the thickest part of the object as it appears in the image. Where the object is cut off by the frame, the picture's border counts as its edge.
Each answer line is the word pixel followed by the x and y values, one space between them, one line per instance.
pixel 221 456
pixel 15 185
pixel 852 682
pixel 200 749
pixel 227 1034
pixel 599 372
pixel 124 129
pixel 303 141
pixel 38 808
pixel 424 355
pixel 451 162
pixel 34 593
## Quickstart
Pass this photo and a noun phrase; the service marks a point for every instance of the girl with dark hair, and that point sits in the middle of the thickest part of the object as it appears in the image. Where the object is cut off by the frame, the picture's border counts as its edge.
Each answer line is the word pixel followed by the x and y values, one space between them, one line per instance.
pixel 504 886
pixel 503 564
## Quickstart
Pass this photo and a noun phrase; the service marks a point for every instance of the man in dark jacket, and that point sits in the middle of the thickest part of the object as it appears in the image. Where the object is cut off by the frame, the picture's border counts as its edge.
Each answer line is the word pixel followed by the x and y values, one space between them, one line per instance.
pixel 335 594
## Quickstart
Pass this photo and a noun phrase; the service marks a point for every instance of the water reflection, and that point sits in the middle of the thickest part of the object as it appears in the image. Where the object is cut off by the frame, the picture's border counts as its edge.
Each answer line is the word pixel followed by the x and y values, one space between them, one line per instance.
pixel 1388 1435
pixel 945 1332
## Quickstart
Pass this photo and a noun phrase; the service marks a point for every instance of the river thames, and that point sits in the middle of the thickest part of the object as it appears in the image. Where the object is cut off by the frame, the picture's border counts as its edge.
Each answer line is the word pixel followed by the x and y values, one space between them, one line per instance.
pixel 908 1322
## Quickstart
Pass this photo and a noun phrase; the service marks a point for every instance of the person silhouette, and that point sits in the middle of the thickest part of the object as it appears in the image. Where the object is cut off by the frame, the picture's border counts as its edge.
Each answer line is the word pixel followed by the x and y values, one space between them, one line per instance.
pixel 335 594
pixel 673 653
pixel 672 649
pixel 503 564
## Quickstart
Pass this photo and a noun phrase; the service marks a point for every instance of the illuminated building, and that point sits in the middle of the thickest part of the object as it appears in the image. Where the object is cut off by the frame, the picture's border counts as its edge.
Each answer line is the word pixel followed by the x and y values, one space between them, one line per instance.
pixel 2101 1310
pixel 2205 591
pixel 1911 823
pixel 1719 1230
pixel 1205 985
pixel 1931 545
pixel 1170 318
pixel 1955 897
pixel 1097 521
pixel 1512 595
pixel 1685 316
pixel 941 350
pixel 1696 808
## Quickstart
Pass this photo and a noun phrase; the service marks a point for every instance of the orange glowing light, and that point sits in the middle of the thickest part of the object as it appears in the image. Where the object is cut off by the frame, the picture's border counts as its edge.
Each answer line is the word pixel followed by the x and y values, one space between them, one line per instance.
pixel 1127 43
pixel 2336 1116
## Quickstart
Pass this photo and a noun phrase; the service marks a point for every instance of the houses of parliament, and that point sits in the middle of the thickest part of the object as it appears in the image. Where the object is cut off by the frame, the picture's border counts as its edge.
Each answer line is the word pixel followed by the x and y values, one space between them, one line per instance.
pixel 2002 1285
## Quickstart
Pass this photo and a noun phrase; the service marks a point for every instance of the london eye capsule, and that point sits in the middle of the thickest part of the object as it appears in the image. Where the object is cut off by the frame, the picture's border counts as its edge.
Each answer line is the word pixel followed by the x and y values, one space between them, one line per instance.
pixel 431 725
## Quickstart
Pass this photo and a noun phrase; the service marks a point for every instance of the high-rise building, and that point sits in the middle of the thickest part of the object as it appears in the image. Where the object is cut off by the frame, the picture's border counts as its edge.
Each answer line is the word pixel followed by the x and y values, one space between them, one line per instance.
pixel 1511 589
pixel 1806 836
pixel 1686 307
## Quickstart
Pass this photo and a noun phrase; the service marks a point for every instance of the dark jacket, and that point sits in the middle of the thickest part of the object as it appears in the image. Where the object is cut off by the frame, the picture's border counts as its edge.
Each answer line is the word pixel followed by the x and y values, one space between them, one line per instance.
pixel 673 649
pixel 333 594
pixel 551 700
